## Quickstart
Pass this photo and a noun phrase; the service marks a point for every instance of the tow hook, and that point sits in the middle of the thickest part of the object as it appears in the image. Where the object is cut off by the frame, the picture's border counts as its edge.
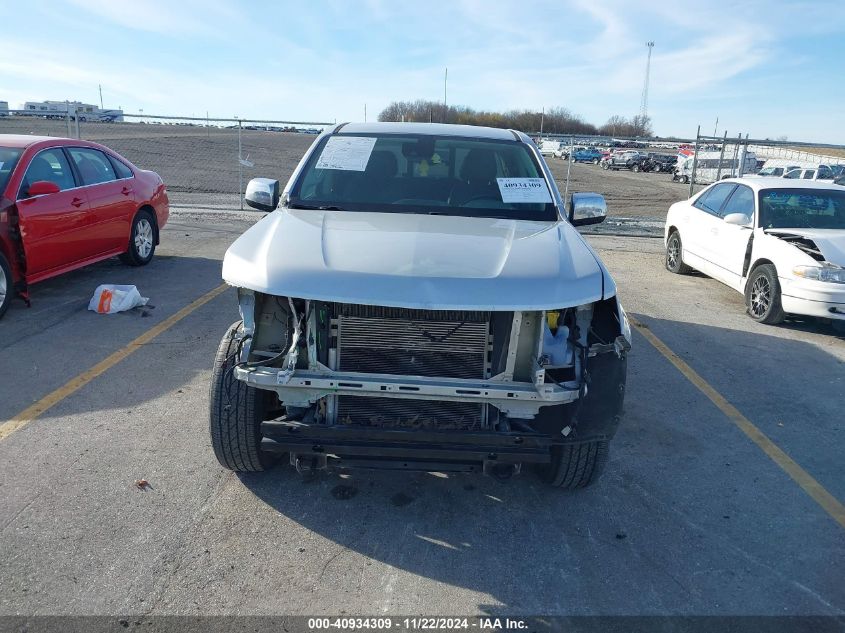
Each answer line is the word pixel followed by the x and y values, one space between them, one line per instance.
pixel 499 470
pixel 308 464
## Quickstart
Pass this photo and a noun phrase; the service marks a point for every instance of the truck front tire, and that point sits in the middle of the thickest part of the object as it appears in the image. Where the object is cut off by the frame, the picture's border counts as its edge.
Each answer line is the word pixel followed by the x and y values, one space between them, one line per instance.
pixel 576 465
pixel 236 411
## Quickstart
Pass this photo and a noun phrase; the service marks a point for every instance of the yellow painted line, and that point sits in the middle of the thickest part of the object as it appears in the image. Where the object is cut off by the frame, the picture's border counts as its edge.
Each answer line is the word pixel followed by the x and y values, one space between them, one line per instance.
pixel 819 494
pixel 75 384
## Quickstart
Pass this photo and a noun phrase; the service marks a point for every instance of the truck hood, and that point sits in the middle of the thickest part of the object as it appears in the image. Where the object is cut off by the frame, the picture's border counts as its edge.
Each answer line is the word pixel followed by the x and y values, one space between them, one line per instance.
pixel 831 242
pixel 415 261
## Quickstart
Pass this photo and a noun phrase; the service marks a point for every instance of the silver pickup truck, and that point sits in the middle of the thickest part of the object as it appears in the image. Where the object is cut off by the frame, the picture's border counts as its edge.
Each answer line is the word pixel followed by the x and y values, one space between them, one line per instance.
pixel 418 298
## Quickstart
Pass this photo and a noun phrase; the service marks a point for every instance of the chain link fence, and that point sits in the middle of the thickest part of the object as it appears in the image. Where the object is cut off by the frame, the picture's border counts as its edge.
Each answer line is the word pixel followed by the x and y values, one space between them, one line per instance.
pixel 712 158
pixel 205 163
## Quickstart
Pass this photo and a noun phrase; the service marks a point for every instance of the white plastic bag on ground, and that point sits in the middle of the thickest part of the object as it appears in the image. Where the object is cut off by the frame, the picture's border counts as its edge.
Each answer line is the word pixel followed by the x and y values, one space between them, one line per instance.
pixel 109 299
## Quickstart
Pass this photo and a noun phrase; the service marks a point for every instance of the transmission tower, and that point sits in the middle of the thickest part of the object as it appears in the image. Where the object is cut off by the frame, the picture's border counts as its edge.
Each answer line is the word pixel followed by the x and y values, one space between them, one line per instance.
pixel 644 102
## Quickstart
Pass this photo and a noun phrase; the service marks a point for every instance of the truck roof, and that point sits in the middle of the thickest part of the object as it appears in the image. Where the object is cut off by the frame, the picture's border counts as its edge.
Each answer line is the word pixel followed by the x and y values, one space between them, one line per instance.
pixel 433 129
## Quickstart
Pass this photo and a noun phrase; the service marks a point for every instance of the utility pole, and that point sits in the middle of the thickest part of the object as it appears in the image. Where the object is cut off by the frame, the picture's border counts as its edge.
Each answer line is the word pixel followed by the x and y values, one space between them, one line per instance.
pixel 694 162
pixel 240 166
pixel 542 116
pixel 365 113
pixel 644 101
pixel 716 127
pixel 100 86
pixel 445 78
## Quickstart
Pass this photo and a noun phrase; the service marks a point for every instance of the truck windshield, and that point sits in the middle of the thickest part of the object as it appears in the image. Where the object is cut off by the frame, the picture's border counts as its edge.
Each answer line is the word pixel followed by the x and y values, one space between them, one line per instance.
pixel 8 159
pixel 418 173
pixel 802 208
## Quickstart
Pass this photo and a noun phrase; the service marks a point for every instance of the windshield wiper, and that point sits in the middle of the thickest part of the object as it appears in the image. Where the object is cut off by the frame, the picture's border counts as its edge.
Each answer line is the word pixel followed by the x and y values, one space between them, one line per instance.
pixel 312 207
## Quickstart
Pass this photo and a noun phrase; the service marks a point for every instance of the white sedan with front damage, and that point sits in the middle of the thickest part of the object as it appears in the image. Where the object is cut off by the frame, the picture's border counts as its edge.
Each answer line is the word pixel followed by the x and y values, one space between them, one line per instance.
pixel 779 242
pixel 418 298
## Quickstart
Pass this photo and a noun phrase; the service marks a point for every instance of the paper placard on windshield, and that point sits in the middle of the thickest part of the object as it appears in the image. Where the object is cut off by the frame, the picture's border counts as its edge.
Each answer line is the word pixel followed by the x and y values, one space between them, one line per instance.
pixel 524 190
pixel 350 153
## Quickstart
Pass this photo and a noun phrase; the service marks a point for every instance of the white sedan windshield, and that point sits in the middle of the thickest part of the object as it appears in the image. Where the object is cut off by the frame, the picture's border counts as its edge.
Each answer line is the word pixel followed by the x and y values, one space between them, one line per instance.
pixel 802 208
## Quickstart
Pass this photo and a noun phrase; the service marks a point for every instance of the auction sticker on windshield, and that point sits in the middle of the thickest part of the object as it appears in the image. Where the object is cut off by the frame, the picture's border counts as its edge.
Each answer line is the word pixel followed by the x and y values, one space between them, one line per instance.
pixel 524 190
pixel 349 153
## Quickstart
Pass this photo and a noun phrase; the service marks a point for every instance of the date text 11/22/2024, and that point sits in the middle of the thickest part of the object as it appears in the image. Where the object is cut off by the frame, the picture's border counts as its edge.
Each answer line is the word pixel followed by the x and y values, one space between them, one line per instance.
pixel 416 623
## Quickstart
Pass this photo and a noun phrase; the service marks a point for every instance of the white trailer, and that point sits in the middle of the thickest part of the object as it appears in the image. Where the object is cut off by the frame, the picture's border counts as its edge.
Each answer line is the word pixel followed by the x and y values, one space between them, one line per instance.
pixel 61 109
pixel 712 166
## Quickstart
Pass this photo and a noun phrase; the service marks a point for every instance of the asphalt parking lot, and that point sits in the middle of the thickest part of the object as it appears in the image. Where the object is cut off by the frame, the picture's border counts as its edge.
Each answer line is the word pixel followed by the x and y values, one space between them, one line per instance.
pixel 691 517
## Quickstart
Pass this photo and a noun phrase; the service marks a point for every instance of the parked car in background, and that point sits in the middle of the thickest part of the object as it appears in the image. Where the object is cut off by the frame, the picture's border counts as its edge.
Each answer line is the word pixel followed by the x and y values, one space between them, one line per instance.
pixel 587 155
pixel 779 242
pixel 660 162
pixel 548 147
pixel 66 203
pixel 819 172
pixel 632 160
pixel 776 171
pixel 445 321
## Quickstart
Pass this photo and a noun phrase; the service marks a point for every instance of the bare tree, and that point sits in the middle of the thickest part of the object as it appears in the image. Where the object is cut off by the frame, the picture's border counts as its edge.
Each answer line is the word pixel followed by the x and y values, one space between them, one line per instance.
pixel 555 121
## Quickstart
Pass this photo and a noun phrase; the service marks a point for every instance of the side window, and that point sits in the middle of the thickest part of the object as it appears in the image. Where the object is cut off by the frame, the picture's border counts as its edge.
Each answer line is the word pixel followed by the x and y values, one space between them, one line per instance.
pixel 825 172
pixel 121 169
pixel 713 199
pixel 93 165
pixel 795 173
pixel 809 174
pixel 50 165
pixel 742 201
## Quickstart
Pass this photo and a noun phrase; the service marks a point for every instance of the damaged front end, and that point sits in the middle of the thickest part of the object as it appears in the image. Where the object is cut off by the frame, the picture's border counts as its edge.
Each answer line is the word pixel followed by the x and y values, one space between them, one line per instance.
pixel 390 387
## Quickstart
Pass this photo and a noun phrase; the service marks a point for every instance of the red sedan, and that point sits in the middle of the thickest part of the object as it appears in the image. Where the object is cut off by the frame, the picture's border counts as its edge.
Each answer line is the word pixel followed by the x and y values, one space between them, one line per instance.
pixel 66 203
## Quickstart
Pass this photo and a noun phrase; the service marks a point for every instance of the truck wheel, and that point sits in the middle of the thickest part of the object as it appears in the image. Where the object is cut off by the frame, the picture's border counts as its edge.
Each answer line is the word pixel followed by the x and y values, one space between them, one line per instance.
pixel 236 411
pixel 762 295
pixel 142 240
pixel 576 465
pixel 595 161
pixel 605 166
pixel 674 255
pixel 635 167
pixel 7 286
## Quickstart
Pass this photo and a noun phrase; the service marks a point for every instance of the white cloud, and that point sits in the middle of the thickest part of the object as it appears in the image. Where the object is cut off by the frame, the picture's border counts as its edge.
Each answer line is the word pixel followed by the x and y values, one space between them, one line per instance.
pixel 164 16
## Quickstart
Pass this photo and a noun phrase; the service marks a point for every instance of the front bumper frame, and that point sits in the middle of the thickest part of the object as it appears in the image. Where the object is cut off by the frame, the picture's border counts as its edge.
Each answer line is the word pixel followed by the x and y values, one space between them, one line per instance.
pixel 409 449
pixel 302 388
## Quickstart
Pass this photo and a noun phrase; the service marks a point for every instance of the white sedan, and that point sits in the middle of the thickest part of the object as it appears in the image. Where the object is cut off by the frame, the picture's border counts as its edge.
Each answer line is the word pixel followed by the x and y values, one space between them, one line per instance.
pixel 779 242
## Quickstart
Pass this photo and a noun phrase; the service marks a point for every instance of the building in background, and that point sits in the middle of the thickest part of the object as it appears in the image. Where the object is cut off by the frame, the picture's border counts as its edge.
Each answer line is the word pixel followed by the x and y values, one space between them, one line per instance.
pixel 4 108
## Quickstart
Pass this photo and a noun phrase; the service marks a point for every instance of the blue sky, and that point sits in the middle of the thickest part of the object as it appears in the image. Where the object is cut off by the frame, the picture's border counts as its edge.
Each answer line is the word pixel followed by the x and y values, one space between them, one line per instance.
pixel 767 68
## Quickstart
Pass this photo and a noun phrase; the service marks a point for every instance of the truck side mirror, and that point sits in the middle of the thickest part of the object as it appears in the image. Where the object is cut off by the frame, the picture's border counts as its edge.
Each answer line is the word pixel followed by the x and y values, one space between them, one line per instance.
pixel 587 208
pixel 262 194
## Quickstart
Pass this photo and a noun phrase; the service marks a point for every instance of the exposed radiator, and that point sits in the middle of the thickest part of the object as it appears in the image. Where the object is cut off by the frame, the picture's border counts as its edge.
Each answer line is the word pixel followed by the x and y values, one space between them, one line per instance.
pixel 449 344
pixel 414 348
